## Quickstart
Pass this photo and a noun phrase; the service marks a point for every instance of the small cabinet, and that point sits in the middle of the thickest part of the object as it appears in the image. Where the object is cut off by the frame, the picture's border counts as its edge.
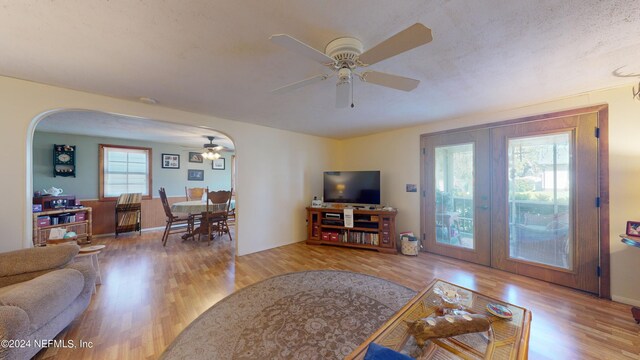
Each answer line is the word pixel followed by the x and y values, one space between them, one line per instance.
pixel 64 160
pixel 76 220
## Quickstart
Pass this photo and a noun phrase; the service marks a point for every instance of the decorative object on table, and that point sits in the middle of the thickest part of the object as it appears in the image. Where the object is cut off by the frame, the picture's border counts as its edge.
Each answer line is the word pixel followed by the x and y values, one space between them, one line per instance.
pixel 499 310
pixel 64 160
pixel 631 240
pixel 504 340
pixel 452 297
pixel 195 157
pixel 338 309
pixel 412 188
pixel 128 213
pixel 217 164
pixel 170 161
pixel 633 228
pixel 316 203
pixel 54 191
pixel 195 175
pixel 447 326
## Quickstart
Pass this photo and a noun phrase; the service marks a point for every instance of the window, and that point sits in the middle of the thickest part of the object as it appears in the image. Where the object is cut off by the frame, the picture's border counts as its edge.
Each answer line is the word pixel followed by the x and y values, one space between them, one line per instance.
pixel 124 169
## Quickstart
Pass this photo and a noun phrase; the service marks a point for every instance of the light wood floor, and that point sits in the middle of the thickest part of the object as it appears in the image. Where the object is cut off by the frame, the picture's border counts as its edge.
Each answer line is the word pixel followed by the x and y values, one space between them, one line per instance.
pixel 150 293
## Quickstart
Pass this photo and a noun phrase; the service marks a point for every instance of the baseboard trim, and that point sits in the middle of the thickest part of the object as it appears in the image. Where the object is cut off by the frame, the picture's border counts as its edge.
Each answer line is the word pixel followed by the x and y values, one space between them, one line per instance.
pixel 624 300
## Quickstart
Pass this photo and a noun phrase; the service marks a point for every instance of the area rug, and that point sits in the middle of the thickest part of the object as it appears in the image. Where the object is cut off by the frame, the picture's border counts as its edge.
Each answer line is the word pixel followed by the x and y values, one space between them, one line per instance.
pixel 305 315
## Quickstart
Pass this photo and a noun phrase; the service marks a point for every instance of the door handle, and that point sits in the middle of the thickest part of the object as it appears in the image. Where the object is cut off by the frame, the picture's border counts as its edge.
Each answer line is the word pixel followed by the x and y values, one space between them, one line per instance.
pixel 483 207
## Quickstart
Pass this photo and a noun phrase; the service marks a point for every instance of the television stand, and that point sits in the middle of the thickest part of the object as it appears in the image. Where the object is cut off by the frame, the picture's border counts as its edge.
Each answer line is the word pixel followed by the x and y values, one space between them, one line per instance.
pixel 372 229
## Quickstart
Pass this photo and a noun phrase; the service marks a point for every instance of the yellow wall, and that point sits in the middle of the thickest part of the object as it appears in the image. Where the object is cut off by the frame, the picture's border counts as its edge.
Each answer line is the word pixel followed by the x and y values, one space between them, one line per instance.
pixel 277 170
pixel 397 155
pixel 280 171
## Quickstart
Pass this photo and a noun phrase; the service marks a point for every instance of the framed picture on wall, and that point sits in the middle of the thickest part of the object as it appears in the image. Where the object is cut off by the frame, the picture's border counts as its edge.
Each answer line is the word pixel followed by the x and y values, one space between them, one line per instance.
pixel 217 164
pixel 170 161
pixel 633 228
pixel 195 175
pixel 195 157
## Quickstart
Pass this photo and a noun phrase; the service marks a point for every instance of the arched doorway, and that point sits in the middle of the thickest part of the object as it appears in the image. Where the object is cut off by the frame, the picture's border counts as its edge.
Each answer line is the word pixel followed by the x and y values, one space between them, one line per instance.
pixel 175 160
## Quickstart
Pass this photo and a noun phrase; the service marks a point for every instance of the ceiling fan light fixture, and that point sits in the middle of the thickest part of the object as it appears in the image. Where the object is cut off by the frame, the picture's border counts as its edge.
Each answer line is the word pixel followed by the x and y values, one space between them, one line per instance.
pixel 210 154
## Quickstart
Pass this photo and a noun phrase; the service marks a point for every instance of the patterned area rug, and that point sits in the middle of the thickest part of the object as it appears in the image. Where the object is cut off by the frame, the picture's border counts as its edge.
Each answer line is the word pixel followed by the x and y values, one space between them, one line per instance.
pixel 305 315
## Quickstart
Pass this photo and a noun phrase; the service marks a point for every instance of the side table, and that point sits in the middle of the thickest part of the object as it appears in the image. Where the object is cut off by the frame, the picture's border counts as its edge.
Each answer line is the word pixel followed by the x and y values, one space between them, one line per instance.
pixel 635 242
pixel 92 253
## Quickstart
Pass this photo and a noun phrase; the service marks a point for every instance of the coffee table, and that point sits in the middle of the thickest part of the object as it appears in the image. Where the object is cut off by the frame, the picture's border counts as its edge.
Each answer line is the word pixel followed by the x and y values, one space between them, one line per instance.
pixel 507 339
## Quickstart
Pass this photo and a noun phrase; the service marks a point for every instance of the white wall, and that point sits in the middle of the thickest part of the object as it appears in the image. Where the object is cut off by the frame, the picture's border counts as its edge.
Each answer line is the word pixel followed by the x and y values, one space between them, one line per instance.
pixel 397 155
pixel 278 171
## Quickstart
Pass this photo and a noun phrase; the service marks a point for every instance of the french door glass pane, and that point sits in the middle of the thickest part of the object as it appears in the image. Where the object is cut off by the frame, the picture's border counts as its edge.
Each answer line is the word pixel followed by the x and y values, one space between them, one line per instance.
pixel 539 199
pixel 454 183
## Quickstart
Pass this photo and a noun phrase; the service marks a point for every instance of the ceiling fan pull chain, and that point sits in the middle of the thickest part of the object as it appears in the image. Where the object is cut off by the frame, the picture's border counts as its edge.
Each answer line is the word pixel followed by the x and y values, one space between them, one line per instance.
pixel 352 106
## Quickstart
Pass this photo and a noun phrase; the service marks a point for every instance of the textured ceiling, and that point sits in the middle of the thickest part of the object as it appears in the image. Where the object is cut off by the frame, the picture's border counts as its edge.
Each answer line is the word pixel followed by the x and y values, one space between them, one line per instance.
pixel 124 127
pixel 214 57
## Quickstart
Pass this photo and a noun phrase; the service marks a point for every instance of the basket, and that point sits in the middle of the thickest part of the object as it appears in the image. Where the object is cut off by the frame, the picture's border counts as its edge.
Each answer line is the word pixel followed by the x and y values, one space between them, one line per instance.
pixel 409 245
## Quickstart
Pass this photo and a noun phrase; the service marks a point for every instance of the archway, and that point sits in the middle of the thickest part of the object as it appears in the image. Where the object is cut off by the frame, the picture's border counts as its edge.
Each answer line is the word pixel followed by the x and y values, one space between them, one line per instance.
pixel 91 128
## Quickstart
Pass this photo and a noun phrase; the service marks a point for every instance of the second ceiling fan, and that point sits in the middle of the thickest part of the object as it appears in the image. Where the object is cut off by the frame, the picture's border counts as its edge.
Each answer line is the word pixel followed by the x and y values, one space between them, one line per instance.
pixel 345 55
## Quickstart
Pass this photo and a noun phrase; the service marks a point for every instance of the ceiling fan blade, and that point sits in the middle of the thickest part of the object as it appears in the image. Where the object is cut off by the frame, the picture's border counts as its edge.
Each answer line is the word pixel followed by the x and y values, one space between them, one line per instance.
pixel 407 39
pixel 388 80
pixel 299 84
pixel 343 94
pixel 301 48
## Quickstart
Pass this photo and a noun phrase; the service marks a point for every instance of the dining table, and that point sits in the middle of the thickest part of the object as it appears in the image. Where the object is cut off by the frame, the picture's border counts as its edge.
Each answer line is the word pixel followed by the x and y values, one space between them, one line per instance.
pixel 195 207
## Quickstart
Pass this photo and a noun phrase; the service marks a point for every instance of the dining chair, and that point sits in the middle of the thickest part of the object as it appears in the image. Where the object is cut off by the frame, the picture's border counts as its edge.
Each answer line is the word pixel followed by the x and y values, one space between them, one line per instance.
pixel 173 219
pixel 194 193
pixel 215 218
pixel 231 213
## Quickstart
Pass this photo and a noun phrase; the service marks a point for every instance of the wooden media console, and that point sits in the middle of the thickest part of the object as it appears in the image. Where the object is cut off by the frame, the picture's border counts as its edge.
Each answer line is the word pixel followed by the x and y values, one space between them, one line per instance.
pixel 372 229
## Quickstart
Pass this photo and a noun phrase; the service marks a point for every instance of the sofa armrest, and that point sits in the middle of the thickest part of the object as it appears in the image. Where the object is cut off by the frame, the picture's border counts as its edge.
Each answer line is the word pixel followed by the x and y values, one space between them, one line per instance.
pixel 14 323
pixel 26 264
pixel 88 272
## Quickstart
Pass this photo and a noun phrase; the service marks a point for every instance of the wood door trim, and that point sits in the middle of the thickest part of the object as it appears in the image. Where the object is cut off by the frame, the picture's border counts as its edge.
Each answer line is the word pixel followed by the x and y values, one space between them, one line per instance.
pixel 603 171
pixel 558 114
pixel 481 253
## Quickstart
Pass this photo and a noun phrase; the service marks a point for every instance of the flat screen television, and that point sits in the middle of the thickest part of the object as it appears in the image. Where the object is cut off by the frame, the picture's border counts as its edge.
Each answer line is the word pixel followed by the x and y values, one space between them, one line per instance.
pixel 354 187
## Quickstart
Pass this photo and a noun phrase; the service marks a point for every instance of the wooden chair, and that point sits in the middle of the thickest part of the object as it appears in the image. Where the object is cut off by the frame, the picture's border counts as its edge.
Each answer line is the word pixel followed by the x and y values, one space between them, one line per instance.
pixel 231 213
pixel 194 193
pixel 173 219
pixel 215 218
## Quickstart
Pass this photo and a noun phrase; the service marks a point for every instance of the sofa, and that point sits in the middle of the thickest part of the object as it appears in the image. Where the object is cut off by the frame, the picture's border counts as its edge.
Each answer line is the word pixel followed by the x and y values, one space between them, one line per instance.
pixel 42 290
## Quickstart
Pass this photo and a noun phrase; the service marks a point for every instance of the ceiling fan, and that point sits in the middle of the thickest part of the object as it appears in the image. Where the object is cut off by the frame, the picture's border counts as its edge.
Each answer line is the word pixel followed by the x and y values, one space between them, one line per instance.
pixel 212 151
pixel 345 55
